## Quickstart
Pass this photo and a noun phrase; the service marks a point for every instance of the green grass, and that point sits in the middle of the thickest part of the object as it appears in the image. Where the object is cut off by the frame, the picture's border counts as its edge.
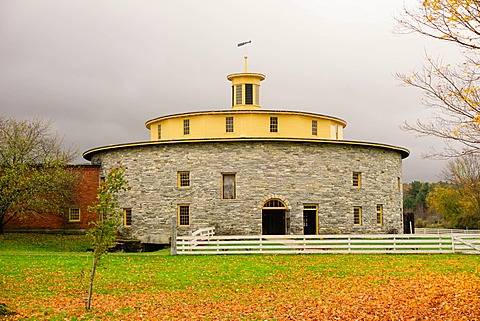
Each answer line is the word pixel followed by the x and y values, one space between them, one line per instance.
pixel 44 268
pixel 42 243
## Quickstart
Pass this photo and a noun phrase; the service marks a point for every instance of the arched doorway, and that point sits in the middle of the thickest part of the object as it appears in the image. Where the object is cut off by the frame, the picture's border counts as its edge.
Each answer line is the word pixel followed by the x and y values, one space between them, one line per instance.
pixel 274 218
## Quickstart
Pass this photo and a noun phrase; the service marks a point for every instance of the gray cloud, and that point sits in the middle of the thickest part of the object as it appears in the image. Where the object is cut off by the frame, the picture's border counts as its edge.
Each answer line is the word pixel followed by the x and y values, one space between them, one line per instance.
pixel 100 69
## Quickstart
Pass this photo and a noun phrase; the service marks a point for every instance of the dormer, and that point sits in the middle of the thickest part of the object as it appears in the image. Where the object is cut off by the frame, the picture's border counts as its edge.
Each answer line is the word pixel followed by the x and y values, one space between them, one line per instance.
pixel 246 89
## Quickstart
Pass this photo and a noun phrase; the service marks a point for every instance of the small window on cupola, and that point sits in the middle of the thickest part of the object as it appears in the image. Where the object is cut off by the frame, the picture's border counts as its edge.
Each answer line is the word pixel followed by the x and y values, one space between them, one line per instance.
pixel 186 126
pixel 238 94
pixel 248 94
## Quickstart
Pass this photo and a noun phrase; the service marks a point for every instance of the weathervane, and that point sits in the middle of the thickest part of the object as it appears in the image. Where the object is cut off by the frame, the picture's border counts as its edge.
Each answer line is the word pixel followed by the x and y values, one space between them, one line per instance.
pixel 245 66
pixel 244 43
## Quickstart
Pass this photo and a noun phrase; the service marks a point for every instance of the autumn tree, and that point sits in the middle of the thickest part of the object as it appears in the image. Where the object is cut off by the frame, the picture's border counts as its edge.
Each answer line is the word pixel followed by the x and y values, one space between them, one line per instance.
pixel 414 201
pixel 104 232
pixel 451 91
pixel 459 201
pixel 415 195
pixel 33 175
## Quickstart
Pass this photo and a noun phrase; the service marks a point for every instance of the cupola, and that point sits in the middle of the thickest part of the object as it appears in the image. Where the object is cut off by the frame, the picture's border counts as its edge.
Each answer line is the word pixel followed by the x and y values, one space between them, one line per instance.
pixel 246 89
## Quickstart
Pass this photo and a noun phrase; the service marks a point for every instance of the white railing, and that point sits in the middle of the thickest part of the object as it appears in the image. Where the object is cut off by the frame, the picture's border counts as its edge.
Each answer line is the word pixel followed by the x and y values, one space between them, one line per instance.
pixel 319 244
pixel 444 231
pixel 207 231
pixel 201 235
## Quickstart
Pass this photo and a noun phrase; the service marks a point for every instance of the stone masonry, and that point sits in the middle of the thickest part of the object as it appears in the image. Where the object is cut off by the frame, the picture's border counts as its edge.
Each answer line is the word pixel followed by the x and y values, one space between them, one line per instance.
pixel 297 173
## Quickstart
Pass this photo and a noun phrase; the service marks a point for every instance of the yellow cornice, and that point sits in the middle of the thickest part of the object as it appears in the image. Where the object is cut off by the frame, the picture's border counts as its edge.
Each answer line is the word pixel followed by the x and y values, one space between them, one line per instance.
pixel 247 75
pixel 402 151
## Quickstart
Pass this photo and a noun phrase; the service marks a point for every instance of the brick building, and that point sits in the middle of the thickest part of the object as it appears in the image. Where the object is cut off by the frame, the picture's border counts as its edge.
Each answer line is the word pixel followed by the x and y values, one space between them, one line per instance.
pixel 77 216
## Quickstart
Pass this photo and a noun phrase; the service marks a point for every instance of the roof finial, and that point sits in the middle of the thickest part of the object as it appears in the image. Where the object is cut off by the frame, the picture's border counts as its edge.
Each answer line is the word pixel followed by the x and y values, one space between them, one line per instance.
pixel 245 65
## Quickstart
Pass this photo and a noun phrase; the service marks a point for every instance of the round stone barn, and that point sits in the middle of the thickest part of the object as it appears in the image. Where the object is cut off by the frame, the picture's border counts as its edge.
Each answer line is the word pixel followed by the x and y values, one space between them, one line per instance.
pixel 249 171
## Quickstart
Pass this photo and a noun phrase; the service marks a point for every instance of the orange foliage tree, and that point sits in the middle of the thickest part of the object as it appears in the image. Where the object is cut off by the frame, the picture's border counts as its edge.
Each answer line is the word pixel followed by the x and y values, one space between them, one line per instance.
pixel 459 201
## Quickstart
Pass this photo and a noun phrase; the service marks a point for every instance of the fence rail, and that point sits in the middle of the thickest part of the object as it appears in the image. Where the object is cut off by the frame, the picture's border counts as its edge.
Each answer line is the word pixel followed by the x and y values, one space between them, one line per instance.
pixel 319 244
pixel 444 231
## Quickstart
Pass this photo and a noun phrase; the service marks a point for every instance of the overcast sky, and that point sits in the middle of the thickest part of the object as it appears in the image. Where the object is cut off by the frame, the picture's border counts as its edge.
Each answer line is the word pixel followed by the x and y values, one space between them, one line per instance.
pixel 99 69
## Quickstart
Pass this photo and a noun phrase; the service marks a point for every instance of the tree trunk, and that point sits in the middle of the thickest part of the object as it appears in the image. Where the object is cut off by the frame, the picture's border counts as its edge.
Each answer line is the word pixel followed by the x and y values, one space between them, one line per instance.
pixel 4 222
pixel 92 278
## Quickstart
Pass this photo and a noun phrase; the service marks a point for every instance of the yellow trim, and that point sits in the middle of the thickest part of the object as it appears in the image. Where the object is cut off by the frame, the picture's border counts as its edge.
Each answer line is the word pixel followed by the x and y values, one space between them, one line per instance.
pixel 402 151
pixel 70 214
pixel 179 179
pixel 379 211
pixel 360 219
pixel 314 207
pixel 125 217
pixel 357 176
pixel 178 214
pixel 277 207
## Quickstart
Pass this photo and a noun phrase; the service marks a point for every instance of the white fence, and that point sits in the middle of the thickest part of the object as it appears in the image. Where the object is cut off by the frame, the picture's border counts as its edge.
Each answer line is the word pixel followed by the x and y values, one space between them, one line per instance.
pixel 326 244
pixel 444 231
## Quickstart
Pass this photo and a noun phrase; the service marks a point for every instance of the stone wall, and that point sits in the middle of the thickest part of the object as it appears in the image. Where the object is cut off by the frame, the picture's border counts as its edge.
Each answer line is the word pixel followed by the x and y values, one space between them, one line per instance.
pixel 297 173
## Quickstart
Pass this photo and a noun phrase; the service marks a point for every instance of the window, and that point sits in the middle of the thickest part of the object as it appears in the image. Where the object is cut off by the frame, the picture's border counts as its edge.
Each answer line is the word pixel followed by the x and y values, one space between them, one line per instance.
pixel 229 124
pixel 379 214
pixel 248 94
pixel 183 179
pixel 228 186
pixel 183 215
pixel 238 94
pixel 314 127
pixel 357 179
pixel 257 95
pixel 74 214
pixel 127 217
pixel 186 126
pixel 357 215
pixel 273 124
pixel 159 131
pixel 399 184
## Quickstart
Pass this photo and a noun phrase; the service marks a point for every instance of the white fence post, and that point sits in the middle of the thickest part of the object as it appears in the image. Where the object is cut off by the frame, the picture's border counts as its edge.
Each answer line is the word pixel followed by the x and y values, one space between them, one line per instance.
pixel 173 248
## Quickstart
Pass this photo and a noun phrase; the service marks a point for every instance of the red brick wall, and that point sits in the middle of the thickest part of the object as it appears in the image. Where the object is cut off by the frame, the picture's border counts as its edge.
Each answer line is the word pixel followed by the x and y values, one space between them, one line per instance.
pixel 85 195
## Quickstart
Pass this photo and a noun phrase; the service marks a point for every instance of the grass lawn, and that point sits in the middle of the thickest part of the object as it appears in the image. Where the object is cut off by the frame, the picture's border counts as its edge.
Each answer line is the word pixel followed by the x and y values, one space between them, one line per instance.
pixel 44 277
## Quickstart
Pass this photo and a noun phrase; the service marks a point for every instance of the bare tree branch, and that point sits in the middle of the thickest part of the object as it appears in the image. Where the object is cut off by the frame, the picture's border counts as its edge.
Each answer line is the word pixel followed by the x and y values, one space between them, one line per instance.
pixel 452 92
